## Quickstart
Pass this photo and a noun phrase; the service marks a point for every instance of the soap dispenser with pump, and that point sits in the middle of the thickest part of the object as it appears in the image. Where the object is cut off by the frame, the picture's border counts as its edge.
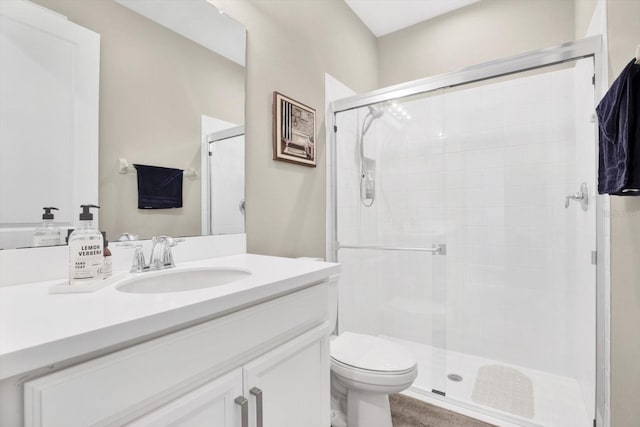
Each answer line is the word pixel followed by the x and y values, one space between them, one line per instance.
pixel 85 250
pixel 47 234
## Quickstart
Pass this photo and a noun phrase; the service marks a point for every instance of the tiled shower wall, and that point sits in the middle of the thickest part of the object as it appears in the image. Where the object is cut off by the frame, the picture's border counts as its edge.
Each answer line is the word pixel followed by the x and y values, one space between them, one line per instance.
pixel 484 170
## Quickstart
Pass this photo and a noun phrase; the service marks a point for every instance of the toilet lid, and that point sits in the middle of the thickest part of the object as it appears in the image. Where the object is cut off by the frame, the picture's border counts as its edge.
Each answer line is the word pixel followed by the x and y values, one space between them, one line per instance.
pixel 371 353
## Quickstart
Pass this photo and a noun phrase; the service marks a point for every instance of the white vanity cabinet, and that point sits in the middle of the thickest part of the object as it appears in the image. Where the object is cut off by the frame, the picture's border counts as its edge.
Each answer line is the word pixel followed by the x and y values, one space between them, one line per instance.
pixel 213 404
pixel 284 388
pixel 274 354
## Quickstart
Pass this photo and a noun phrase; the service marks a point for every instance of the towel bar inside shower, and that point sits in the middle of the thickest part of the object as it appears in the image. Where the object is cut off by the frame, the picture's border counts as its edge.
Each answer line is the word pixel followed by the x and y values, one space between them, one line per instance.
pixel 436 249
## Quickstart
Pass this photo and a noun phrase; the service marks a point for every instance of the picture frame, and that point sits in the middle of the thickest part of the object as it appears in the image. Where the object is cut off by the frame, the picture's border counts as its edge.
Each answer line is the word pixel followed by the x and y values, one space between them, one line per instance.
pixel 294 131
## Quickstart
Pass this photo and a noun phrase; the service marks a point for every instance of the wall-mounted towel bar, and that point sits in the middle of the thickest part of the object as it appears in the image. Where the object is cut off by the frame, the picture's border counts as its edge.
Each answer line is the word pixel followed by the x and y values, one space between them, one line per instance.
pixel 125 167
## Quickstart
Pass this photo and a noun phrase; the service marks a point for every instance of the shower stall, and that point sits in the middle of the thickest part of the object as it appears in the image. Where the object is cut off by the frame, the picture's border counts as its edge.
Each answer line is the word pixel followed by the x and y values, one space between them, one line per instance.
pixel 465 216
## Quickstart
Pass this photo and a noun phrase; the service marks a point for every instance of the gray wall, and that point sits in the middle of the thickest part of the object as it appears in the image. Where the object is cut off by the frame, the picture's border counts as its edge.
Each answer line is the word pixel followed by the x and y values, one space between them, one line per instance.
pixel 583 10
pixel 624 36
pixel 481 32
pixel 154 87
pixel 290 46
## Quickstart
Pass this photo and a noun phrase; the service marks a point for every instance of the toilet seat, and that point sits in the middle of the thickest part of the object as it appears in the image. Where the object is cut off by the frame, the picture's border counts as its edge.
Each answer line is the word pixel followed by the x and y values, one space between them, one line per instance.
pixel 391 380
pixel 371 353
pixel 371 360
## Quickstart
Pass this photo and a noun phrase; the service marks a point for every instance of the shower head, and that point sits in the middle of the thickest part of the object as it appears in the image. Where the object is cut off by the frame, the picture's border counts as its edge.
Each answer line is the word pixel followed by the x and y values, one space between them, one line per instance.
pixel 367 178
pixel 375 112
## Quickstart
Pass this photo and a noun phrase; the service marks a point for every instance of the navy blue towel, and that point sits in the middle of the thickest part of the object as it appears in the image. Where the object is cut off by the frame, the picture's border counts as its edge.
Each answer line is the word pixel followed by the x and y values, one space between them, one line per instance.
pixel 619 129
pixel 159 188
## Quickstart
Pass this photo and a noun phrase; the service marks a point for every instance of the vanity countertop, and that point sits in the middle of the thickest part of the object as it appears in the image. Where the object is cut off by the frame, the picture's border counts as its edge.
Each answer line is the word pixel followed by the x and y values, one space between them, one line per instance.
pixel 38 329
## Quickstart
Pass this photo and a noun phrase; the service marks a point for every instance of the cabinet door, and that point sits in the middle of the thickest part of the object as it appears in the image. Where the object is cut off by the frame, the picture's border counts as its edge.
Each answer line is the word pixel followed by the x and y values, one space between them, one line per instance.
pixel 209 405
pixel 293 383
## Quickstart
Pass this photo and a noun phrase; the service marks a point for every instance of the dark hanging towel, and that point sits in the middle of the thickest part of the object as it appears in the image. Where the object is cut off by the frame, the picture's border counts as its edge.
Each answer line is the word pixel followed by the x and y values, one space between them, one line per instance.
pixel 619 129
pixel 159 188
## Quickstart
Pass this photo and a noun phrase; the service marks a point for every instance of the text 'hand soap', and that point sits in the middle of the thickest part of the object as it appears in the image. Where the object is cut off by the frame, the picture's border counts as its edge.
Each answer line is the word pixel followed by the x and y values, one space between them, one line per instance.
pixel 85 251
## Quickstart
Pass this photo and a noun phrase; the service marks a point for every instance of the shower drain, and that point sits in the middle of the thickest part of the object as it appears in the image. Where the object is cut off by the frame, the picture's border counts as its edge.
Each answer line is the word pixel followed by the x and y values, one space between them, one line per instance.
pixel 454 377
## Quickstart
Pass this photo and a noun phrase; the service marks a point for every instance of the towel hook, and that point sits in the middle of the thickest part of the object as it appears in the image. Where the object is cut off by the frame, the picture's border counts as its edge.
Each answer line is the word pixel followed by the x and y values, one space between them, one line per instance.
pixel 190 173
pixel 125 167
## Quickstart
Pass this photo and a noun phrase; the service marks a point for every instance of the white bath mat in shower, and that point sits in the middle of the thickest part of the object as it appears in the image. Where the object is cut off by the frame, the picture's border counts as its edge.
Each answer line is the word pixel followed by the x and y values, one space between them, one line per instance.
pixel 506 389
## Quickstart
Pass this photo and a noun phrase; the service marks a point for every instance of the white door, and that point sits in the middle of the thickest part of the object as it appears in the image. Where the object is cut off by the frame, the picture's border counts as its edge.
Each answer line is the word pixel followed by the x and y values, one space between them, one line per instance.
pixel 210 405
pixel 289 386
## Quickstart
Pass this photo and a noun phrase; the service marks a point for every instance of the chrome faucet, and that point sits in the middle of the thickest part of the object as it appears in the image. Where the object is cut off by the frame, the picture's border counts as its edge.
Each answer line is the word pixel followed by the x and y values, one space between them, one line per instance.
pixel 161 256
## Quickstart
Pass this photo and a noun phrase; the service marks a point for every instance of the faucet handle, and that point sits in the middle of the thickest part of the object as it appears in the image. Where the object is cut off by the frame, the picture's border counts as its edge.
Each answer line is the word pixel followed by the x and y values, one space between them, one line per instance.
pixel 138 265
pixel 168 253
pixel 168 258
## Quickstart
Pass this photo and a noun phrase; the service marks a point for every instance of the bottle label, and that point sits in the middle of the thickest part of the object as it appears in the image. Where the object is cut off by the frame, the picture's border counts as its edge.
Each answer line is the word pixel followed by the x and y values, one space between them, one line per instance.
pixel 86 262
pixel 46 241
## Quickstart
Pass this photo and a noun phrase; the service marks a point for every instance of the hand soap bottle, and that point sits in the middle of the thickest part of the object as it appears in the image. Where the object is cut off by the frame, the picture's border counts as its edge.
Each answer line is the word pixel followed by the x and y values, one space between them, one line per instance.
pixel 48 234
pixel 85 250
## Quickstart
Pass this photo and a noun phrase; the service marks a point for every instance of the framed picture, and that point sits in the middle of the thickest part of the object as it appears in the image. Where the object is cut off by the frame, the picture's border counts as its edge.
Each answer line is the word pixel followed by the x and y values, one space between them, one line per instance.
pixel 294 131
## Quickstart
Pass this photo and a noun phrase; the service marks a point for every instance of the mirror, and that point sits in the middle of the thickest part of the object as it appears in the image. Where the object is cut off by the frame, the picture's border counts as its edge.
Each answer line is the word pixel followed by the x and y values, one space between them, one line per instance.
pixel 171 74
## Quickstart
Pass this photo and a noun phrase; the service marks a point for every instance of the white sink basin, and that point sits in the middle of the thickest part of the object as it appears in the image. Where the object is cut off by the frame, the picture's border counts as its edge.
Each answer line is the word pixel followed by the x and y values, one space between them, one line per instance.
pixel 181 280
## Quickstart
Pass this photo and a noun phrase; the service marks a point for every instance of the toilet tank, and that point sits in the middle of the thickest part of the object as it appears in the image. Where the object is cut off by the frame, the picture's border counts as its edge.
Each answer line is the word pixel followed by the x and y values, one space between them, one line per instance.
pixel 333 297
pixel 333 303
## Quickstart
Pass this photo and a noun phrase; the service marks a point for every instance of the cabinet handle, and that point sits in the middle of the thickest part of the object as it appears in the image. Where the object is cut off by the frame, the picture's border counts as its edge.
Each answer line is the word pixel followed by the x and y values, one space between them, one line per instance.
pixel 244 410
pixel 258 394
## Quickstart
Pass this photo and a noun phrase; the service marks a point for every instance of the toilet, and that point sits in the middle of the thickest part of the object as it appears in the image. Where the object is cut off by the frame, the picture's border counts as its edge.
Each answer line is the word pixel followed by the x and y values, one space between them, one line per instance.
pixel 364 371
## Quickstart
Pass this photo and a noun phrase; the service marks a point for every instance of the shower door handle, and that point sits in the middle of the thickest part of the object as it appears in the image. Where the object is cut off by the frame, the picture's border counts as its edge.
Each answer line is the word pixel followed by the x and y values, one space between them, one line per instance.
pixel 439 249
pixel 435 249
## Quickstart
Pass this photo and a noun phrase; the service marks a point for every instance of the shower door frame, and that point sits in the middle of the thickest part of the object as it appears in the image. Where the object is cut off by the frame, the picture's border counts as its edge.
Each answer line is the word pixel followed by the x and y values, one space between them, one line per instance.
pixel 206 220
pixel 591 47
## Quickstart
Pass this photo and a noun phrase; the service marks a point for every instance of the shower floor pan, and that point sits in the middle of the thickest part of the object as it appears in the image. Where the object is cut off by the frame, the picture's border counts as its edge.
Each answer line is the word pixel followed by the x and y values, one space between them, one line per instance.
pixel 531 396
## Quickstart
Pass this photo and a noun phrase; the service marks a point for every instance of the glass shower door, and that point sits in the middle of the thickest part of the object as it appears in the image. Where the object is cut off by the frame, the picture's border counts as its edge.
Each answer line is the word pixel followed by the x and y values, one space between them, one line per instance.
pixel 521 289
pixel 391 235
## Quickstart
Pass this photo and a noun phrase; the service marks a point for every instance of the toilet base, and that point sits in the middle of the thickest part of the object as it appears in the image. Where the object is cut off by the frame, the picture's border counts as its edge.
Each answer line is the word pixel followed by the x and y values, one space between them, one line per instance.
pixel 363 408
pixel 367 409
